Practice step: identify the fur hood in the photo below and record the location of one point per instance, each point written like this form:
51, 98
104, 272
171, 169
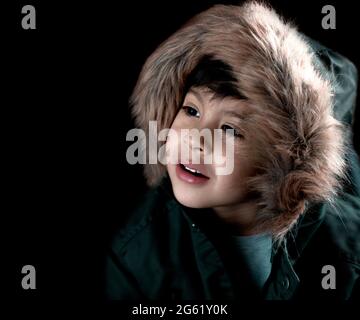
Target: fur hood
299, 142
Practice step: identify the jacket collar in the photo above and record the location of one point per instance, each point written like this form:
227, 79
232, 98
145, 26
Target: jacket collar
283, 280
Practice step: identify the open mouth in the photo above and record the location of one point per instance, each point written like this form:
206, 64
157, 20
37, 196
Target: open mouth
190, 175
195, 172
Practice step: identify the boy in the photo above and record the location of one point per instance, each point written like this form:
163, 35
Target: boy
290, 207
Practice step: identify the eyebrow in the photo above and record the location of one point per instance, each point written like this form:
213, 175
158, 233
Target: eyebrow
235, 114
197, 94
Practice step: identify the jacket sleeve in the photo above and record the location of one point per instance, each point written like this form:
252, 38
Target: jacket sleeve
344, 76
355, 295
346, 79
121, 282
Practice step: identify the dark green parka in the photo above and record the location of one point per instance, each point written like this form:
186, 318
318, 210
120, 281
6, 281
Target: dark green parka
166, 251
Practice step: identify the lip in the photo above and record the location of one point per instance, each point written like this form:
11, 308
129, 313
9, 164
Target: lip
188, 177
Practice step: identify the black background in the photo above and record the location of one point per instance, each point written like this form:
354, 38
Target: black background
64, 119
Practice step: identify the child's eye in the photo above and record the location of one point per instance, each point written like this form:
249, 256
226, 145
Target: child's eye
230, 130
190, 111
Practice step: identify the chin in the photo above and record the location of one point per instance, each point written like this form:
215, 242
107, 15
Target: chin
191, 199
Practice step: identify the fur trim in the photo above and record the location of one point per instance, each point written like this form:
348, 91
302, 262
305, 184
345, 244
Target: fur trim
299, 143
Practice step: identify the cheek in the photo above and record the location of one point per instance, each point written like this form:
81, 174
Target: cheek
233, 187
231, 159
244, 160
243, 168
172, 147
233, 181
180, 121
172, 140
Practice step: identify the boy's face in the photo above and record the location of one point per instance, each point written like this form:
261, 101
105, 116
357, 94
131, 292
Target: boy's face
208, 189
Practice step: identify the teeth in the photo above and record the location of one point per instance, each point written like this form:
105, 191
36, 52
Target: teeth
192, 170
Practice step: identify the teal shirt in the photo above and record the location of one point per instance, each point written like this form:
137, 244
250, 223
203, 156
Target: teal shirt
254, 252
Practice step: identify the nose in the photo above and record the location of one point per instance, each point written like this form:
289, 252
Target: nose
200, 144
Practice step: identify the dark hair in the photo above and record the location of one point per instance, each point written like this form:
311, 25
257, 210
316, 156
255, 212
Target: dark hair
216, 75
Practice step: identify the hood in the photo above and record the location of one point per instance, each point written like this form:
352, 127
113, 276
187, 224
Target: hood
299, 143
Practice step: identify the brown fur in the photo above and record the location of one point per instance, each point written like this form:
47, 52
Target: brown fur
298, 142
